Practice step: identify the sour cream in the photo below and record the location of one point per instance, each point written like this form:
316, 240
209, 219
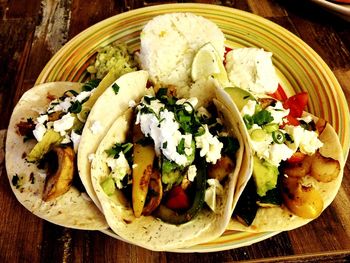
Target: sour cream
252, 69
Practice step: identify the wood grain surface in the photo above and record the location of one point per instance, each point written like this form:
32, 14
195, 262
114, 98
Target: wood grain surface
32, 31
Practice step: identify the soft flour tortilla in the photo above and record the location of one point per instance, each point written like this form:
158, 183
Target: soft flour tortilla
73, 209
280, 218
109, 106
148, 231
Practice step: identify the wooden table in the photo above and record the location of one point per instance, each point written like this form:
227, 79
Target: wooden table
30, 34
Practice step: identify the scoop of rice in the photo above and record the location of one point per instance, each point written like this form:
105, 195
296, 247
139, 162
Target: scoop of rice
169, 43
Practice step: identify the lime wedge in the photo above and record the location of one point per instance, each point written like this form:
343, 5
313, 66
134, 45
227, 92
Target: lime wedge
206, 63
239, 96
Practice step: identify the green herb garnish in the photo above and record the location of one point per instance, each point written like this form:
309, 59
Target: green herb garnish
115, 88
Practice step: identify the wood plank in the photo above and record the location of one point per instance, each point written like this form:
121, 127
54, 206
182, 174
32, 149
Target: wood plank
13, 59
86, 13
266, 8
322, 36
20, 231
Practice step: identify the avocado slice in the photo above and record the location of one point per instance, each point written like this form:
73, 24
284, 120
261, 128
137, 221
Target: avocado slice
108, 186
239, 96
265, 175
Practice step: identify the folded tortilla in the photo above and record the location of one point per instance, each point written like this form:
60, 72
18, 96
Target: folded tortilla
148, 231
72, 209
113, 102
280, 218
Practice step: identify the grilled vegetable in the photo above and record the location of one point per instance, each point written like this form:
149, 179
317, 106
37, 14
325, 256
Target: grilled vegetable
49, 139
142, 170
172, 217
223, 167
304, 201
60, 172
324, 169
299, 169
155, 194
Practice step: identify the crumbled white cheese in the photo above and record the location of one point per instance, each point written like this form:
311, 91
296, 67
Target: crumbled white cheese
278, 153
82, 96
277, 112
210, 146
42, 118
191, 172
95, 127
66, 138
249, 108
64, 105
39, 131
165, 134
252, 69
63, 124
119, 168
75, 139
306, 141
307, 118
214, 189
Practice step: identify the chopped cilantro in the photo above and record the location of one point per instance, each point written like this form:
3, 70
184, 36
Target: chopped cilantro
231, 145
91, 84
118, 148
115, 88
181, 146
161, 93
262, 117
165, 145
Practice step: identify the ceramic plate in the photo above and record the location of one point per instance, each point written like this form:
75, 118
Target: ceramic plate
298, 66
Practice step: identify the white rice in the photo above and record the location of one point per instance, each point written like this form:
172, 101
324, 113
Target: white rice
169, 43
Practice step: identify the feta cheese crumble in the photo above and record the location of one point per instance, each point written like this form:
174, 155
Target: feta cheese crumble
119, 169
215, 189
210, 146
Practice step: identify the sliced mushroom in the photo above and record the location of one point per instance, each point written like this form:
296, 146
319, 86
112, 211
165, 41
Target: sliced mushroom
155, 193
60, 172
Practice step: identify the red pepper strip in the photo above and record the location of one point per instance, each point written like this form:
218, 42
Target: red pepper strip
177, 199
279, 94
296, 104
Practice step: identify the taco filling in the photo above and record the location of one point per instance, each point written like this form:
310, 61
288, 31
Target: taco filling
176, 158
57, 131
288, 163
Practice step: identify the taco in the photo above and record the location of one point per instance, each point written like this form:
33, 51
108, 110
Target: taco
41, 145
112, 103
166, 171
297, 164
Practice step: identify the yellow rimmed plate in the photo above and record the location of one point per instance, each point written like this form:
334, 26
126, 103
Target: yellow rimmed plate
298, 66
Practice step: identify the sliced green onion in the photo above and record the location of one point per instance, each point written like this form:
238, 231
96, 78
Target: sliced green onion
258, 135
271, 127
278, 137
75, 107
